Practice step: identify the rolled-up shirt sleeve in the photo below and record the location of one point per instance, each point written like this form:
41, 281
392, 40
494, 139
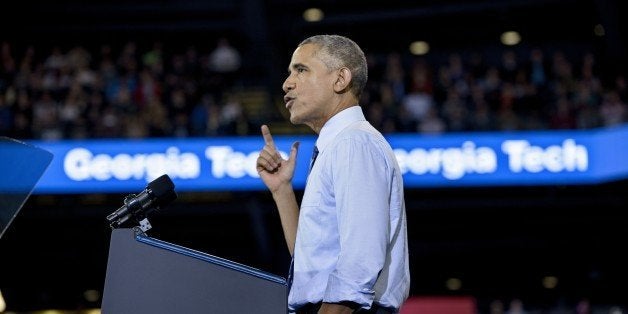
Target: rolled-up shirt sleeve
362, 184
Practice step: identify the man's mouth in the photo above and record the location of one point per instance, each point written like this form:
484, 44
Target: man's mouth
288, 100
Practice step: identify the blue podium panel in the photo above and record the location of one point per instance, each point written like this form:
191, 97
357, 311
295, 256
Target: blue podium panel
146, 275
21, 166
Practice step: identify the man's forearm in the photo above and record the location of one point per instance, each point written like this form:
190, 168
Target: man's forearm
334, 308
288, 213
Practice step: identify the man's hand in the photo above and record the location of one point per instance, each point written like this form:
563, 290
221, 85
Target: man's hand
272, 168
277, 174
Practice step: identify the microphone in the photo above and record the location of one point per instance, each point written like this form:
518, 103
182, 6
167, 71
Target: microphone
159, 192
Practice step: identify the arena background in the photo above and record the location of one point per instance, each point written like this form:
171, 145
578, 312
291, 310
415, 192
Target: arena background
552, 247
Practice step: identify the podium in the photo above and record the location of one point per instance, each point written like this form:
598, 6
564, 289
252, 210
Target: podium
148, 275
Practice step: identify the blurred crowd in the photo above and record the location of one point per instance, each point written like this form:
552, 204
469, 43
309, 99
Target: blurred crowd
532, 91
129, 93
137, 92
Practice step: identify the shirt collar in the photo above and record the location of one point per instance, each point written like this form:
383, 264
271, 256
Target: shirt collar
337, 123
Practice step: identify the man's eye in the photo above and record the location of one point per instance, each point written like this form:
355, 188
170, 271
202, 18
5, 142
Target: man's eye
300, 70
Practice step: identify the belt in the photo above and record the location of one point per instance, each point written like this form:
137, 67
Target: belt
312, 308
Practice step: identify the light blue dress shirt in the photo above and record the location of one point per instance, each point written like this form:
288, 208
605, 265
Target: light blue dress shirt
351, 240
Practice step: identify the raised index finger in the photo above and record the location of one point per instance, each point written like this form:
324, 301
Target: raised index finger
268, 138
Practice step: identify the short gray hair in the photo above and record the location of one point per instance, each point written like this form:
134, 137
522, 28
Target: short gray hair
340, 51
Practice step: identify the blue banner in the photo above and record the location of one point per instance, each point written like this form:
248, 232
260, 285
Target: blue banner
448, 160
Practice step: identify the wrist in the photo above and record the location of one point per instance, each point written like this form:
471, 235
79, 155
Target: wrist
282, 191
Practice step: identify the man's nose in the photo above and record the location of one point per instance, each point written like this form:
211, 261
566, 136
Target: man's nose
288, 85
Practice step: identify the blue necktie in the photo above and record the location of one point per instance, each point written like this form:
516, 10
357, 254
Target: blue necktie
291, 270
314, 155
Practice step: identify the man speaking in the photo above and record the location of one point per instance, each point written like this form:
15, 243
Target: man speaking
348, 238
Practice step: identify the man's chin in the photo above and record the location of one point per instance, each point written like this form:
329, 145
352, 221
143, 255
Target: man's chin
294, 119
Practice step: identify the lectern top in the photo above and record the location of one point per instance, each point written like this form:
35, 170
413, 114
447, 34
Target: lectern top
21, 167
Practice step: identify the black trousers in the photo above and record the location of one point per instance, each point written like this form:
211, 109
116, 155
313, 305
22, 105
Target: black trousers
312, 308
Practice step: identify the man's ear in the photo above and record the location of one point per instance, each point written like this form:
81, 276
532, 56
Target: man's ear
343, 80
